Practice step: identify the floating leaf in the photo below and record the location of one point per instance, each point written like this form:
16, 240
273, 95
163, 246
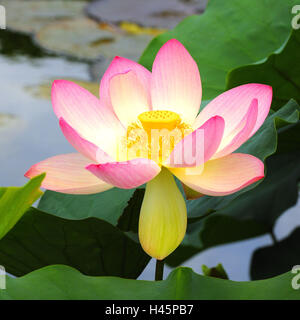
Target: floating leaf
130, 46
64, 283
136, 29
7, 120
81, 38
30, 16
155, 13
87, 40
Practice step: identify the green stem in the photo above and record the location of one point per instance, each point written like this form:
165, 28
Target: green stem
159, 270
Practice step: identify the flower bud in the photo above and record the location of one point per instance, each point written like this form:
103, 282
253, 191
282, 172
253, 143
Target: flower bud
163, 216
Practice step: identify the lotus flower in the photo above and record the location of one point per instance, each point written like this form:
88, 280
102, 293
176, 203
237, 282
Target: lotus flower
134, 104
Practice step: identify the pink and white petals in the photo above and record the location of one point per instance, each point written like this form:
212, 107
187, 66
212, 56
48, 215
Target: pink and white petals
222, 176
121, 65
241, 134
128, 96
83, 146
175, 83
199, 146
126, 175
92, 120
233, 105
67, 174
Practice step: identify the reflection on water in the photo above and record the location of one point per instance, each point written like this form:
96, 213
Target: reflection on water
29, 133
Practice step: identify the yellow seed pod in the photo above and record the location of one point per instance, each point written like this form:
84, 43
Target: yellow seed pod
159, 119
163, 216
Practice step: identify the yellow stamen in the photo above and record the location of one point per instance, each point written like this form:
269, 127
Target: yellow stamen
153, 136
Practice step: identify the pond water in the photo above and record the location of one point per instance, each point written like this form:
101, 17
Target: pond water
29, 133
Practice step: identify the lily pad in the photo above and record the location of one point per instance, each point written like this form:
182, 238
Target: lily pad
154, 13
130, 46
88, 40
30, 16
64, 283
80, 38
7, 120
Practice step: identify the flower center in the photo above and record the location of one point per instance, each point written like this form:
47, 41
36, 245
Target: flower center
153, 135
159, 119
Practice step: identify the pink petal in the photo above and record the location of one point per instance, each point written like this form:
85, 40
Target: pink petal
199, 146
86, 115
66, 173
222, 176
233, 105
128, 96
121, 65
241, 134
83, 146
127, 174
175, 83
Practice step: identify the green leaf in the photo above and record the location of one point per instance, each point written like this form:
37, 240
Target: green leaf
228, 35
278, 258
14, 201
280, 70
216, 272
61, 282
252, 212
108, 205
92, 246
